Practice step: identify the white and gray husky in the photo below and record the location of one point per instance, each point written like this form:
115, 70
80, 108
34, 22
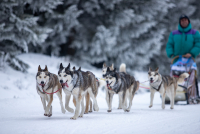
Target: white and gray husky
163, 85
122, 84
78, 83
46, 85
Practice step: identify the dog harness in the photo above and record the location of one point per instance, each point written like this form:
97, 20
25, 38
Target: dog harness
46, 92
158, 86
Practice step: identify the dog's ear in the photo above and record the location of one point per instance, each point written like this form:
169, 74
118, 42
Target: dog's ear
150, 69
108, 69
104, 65
68, 67
112, 66
74, 68
46, 69
79, 69
61, 66
39, 68
157, 69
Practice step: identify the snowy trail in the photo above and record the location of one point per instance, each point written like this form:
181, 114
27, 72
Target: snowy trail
26, 116
21, 110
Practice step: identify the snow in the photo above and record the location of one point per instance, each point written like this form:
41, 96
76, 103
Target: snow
21, 109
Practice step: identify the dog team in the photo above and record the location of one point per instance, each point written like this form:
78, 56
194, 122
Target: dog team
82, 85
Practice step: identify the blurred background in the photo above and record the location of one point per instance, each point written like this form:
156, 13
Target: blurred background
134, 32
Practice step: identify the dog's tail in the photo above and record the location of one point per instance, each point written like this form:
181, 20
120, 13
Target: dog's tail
182, 78
122, 68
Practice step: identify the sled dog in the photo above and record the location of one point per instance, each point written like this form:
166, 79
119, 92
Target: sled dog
122, 71
46, 85
122, 84
78, 83
164, 85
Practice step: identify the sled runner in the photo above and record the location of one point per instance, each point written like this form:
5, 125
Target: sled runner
189, 91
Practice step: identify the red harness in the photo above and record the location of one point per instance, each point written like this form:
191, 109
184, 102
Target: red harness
50, 93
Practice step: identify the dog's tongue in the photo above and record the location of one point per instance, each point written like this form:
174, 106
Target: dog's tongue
42, 85
65, 84
151, 81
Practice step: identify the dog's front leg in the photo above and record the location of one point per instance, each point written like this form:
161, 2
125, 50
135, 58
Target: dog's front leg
61, 103
107, 97
110, 101
50, 100
67, 98
78, 102
82, 107
44, 104
90, 106
151, 97
173, 93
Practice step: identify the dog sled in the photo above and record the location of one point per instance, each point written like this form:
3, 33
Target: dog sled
189, 91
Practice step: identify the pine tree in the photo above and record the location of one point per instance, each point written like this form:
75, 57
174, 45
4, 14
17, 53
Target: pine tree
59, 15
17, 31
120, 31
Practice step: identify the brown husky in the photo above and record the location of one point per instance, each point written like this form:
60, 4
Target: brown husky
164, 84
46, 85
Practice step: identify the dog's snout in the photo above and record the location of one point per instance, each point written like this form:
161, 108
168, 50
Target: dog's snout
61, 81
42, 82
107, 82
151, 78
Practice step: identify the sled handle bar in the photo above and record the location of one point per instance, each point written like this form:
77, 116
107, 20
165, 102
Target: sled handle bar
178, 57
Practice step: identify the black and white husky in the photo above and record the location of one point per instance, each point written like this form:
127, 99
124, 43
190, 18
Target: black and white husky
164, 85
46, 85
122, 84
78, 83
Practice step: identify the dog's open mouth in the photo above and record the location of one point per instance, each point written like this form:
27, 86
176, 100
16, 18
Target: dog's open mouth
42, 85
65, 84
108, 85
151, 81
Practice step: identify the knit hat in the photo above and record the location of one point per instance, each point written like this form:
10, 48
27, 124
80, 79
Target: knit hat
183, 16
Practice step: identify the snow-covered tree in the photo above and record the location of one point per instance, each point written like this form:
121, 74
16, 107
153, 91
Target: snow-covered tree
59, 15
17, 30
119, 31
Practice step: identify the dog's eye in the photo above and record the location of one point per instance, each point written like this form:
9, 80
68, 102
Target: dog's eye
45, 76
106, 77
65, 75
39, 76
110, 77
59, 75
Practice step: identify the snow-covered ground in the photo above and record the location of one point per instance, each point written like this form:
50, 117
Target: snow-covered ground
21, 109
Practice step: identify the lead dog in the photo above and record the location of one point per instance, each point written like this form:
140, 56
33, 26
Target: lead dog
78, 83
124, 85
164, 84
46, 84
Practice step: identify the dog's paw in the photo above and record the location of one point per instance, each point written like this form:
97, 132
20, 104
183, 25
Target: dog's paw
119, 108
80, 116
70, 110
171, 107
96, 108
85, 112
126, 110
109, 111
150, 106
73, 118
45, 114
49, 115
163, 107
90, 111
63, 111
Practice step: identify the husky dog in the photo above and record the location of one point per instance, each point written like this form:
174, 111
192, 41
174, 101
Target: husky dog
124, 85
46, 85
104, 69
122, 70
78, 83
164, 84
